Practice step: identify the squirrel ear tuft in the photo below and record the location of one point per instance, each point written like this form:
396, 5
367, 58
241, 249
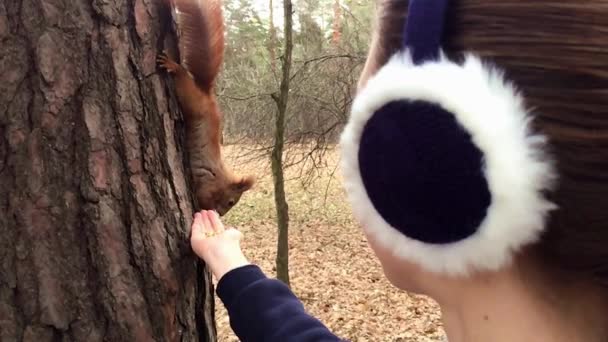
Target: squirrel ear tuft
245, 183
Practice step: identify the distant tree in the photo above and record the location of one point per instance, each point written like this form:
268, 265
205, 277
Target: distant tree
272, 41
337, 23
310, 39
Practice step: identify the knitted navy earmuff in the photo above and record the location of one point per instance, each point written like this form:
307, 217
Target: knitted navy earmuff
438, 160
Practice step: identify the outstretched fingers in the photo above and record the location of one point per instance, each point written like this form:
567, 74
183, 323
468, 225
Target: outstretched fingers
202, 226
207, 224
217, 224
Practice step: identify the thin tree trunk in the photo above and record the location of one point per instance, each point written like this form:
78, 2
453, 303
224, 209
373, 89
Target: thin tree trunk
277, 152
94, 199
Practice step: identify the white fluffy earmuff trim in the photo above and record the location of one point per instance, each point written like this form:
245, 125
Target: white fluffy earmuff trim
515, 165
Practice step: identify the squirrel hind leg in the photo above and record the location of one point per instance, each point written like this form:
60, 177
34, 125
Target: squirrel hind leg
165, 62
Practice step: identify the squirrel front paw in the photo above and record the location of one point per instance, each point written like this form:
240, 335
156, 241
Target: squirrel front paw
165, 62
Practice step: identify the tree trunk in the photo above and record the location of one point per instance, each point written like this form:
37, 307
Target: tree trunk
277, 152
94, 201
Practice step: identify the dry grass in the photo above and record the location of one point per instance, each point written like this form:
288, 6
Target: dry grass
332, 269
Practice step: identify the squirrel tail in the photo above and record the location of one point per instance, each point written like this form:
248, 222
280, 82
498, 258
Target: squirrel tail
200, 26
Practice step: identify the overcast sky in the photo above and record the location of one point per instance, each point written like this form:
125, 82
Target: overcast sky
261, 7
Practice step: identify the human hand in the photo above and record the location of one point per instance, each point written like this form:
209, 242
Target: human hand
219, 247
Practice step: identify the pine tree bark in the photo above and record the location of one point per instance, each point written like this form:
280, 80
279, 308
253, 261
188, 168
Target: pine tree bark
94, 202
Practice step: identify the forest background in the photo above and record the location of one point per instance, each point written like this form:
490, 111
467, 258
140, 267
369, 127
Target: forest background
331, 268
96, 196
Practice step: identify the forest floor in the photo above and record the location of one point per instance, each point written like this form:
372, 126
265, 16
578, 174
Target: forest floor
332, 269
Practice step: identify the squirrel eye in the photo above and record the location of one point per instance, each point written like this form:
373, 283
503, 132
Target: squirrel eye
231, 203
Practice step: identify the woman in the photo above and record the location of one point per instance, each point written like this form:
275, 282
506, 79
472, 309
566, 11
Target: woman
501, 219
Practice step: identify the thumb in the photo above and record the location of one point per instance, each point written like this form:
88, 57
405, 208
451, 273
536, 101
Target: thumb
234, 234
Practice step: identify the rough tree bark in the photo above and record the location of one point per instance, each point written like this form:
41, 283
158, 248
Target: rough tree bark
94, 200
281, 100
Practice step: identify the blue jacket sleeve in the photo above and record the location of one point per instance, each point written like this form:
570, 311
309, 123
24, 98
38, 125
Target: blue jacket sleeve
263, 309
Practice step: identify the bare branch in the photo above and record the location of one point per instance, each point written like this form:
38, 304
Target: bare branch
246, 98
319, 59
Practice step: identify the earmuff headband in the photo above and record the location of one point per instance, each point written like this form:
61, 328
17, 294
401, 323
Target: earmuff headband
423, 30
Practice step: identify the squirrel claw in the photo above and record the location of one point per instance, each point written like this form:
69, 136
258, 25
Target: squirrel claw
166, 63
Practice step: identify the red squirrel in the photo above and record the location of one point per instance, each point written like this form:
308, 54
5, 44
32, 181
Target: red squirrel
201, 46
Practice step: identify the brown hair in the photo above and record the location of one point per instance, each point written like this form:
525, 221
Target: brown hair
556, 52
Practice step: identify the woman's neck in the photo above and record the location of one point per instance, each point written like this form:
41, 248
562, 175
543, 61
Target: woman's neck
504, 307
